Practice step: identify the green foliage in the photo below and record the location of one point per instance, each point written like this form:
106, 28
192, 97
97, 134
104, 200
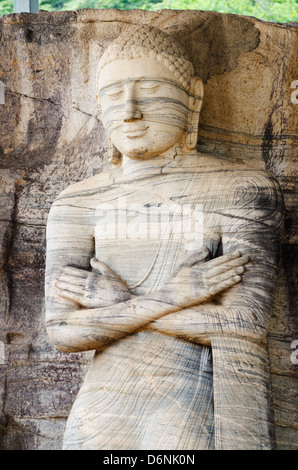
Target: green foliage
77, 4
6, 6
268, 10
282, 11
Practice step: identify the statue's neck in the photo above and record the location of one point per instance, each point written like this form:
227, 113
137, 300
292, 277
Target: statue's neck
154, 166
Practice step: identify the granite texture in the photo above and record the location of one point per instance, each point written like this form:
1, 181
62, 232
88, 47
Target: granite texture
51, 136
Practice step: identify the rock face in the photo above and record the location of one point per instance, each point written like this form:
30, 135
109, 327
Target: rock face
51, 136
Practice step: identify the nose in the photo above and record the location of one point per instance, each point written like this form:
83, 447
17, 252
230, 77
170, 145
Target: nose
132, 109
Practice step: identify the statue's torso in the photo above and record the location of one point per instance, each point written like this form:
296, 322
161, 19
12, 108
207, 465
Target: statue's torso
151, 390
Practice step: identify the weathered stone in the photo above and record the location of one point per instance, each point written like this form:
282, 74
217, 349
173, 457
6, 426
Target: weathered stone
50, 133
28, 434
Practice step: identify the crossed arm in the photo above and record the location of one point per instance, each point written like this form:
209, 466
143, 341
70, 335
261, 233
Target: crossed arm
92, 309
105, 311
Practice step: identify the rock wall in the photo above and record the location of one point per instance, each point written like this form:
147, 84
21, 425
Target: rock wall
51, 136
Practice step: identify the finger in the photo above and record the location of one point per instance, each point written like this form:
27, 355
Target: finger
78, 272
226, 275
223, 259
70, 287
70, 296
214, 271
101, 268
79, 281
224, 285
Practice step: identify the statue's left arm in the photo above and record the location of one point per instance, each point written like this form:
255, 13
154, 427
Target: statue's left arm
251, 222
236, 325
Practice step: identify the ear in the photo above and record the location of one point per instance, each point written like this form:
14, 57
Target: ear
196, 93
114, 156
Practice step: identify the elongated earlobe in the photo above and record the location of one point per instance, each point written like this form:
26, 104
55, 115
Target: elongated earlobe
114, 156
196, 92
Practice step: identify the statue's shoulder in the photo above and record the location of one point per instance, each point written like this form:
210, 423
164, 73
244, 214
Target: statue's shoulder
247, 192
258, 184
88, 187
255, 195
226, 173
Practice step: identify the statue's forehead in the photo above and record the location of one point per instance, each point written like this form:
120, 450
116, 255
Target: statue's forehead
134, 69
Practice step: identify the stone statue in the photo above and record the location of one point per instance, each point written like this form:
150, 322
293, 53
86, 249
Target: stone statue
165, 266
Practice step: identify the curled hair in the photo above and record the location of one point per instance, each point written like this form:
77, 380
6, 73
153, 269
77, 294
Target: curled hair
149, 42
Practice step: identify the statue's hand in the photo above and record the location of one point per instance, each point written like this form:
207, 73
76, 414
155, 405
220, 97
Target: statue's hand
198, 278
100, 287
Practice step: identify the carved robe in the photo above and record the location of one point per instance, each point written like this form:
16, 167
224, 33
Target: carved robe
196, 379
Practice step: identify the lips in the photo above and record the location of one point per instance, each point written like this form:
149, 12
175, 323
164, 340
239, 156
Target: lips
133, 132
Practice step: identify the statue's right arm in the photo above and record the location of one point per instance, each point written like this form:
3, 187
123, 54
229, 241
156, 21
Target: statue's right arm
71, 328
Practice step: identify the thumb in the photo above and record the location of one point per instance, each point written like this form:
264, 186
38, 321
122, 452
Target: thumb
202, 255
101, 268
199, 256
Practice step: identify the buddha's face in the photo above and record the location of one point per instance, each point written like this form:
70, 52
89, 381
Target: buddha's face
144, 108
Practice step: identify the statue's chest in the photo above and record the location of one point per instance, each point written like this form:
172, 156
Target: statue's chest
144, 231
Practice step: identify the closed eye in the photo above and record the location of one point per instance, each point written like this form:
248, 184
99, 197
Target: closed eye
150, 87
114, 93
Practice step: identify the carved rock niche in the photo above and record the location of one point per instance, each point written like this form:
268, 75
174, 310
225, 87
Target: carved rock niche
148, 177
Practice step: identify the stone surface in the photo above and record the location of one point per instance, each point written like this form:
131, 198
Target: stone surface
51, 137
184, 249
